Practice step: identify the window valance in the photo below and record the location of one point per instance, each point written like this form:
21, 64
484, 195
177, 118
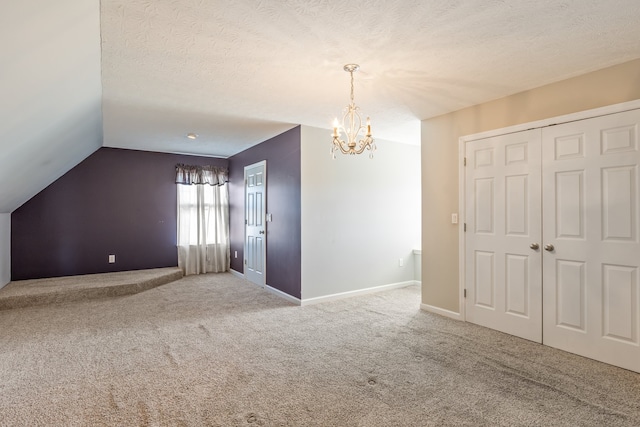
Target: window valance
212, 175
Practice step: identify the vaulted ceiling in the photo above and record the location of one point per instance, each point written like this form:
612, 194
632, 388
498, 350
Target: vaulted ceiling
141, 74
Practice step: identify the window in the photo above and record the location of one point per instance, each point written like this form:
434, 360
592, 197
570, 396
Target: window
203, 219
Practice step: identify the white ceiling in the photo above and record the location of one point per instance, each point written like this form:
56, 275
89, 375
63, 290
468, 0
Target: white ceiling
140, 74
237, 72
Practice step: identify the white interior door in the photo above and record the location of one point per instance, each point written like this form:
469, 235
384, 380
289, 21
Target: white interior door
255, 255
502, 261
590, 216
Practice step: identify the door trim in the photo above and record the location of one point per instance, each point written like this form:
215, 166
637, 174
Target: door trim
580, 115
244, 213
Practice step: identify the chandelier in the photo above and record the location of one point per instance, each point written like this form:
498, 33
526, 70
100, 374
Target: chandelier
358, 137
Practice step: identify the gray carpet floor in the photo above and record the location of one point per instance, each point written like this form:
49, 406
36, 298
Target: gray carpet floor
213, 350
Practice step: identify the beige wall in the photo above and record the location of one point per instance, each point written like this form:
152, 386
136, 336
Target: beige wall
440, 135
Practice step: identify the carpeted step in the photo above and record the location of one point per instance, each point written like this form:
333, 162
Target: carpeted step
27, 293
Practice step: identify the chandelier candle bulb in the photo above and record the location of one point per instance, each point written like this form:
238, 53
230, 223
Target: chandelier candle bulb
368, 126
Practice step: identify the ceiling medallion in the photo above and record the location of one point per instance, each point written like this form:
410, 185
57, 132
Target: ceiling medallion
358, 136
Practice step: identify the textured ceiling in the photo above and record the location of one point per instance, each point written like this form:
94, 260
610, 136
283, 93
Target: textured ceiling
237, 72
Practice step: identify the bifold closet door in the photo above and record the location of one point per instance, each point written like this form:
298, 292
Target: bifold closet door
503, 248
591, 255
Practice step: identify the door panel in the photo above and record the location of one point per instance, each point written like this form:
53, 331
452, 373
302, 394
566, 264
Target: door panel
484, 283
516, 215
517, 274
618, 209
590, 216
619, 303
570, 294
503, 273
255, 213
569, 214
484, 216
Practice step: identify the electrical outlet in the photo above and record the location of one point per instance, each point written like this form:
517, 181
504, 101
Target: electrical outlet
235, 254
112, 259
400, 262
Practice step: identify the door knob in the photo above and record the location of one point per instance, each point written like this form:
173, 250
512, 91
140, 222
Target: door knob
549, 247
261, 231
534, 246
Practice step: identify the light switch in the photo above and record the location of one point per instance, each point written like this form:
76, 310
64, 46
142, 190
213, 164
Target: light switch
454, 218
112, 259
269, 217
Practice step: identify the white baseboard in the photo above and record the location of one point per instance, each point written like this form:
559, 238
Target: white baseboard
236, 273
284, 295
333, 297
441, 311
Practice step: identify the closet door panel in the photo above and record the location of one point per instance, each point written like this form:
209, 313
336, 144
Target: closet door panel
590, 228
503, 272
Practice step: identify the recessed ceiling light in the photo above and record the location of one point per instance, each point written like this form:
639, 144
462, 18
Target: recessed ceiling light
192, 135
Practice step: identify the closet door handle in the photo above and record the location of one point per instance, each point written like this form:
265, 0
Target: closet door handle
534, 246
549, 247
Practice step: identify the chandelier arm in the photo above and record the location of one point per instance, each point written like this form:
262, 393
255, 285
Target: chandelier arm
364, 144
337, 142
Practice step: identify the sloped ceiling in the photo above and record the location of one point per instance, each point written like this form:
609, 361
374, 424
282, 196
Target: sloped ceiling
237, 72
50, 93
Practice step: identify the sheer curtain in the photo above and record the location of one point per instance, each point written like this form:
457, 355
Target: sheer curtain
203, 219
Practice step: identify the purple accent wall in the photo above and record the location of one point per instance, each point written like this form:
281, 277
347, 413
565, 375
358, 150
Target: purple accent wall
116, 201
282, 154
